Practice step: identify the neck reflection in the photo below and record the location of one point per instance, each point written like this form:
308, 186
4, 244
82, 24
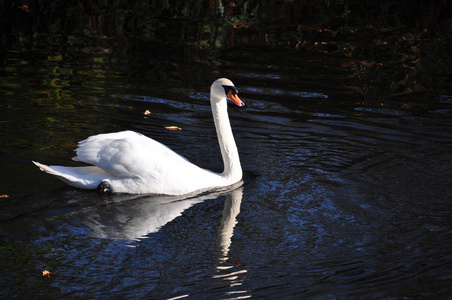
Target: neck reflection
229, 269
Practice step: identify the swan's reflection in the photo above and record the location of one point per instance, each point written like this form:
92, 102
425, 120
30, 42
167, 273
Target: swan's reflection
132, 222
121, 220
225, 232
148, 214
226, 270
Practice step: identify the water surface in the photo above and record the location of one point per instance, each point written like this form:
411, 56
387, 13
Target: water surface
346, 192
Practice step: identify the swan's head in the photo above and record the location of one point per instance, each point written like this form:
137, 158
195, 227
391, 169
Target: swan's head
223, 88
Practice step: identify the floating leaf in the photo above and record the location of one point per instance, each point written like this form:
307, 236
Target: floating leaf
173, 128
4, 196
46, 273
147, 113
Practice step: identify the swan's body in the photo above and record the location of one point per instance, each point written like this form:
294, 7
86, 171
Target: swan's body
129, 162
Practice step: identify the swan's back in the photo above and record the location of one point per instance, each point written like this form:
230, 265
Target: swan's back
127, 154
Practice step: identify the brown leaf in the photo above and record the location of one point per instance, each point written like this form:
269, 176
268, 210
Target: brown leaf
173, 128
46, 273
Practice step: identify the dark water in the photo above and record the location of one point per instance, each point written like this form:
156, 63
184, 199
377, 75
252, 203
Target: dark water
346, 192
342, 197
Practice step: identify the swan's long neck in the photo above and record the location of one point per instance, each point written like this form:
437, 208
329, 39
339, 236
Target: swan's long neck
232, 169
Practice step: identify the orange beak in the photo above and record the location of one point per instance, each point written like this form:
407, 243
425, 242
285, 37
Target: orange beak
234, 98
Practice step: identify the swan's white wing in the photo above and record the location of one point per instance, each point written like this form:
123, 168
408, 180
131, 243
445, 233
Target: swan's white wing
129, 154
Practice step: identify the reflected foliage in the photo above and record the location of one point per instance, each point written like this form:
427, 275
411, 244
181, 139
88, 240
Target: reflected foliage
385, 47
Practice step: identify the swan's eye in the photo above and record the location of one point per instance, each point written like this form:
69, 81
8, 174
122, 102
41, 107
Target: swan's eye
230, 88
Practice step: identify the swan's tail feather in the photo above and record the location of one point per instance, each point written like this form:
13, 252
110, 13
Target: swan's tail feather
45, 168
88, 177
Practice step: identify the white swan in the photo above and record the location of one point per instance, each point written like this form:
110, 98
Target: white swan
129, 162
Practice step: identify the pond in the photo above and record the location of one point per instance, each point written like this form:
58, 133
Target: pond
346, 191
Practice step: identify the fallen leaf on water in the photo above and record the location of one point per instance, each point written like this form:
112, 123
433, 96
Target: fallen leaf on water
147, 113
4, 196
46, 273
173, 128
